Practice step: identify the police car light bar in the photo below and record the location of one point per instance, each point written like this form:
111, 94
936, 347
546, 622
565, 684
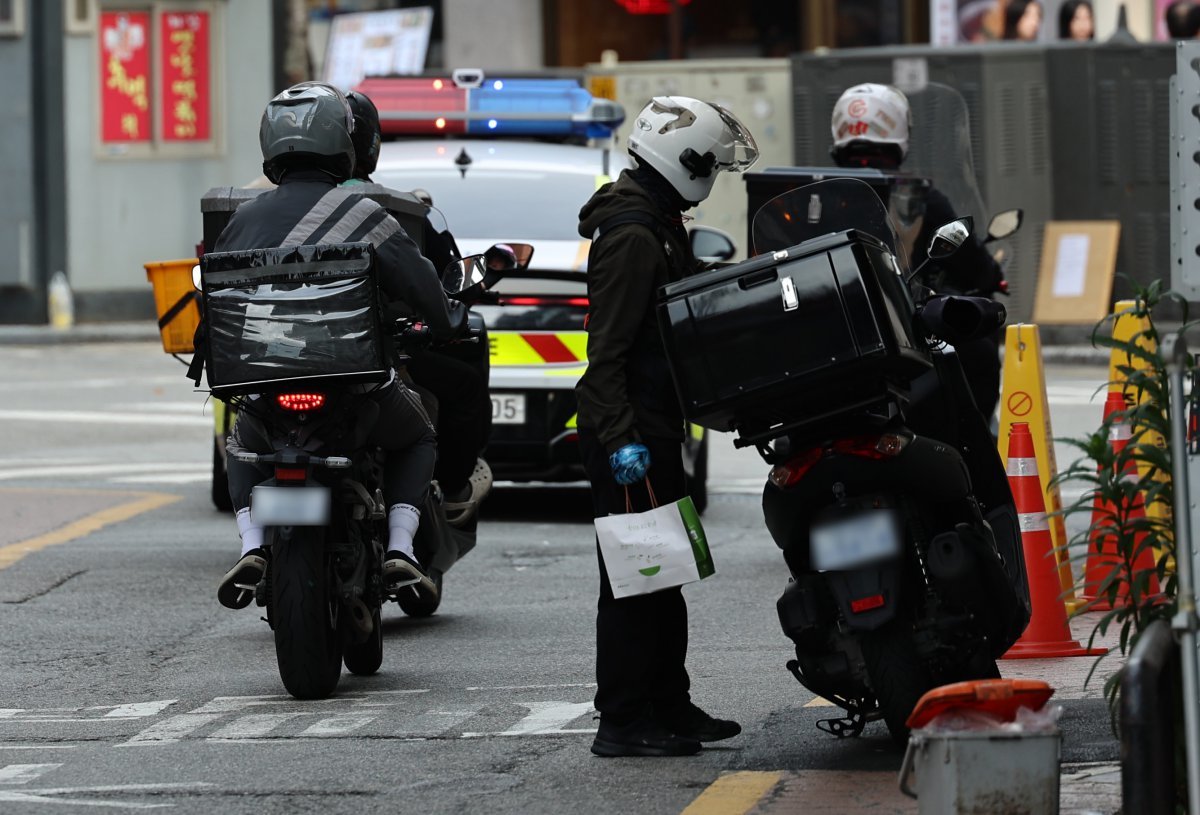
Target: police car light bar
470, 103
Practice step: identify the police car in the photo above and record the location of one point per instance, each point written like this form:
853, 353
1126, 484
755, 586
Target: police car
512, 160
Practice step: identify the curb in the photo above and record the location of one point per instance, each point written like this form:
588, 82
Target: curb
77, 334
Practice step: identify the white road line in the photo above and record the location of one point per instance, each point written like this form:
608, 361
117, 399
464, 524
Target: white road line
105, 469
534, 687
24, 773
172, 729
100, 417
77, 384
139, 710
181, 478
337, 726
438, 722
546, 718
44, 796
252, 726
37, 746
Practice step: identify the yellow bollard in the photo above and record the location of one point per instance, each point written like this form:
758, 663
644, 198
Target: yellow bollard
1023, 399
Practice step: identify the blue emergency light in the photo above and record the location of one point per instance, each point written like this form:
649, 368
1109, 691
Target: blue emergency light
479, 105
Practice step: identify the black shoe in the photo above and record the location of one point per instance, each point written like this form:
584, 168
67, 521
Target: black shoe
691, 722
236, 588
641, 737
400, 570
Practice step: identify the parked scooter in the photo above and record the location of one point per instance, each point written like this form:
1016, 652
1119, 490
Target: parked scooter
298, 360
886, 494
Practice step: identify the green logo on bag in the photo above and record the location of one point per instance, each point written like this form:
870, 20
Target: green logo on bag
650, 572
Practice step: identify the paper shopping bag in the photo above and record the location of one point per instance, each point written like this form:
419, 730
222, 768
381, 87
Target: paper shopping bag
659, 549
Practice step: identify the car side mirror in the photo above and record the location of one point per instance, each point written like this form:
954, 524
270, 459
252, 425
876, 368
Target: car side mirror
950, 237
711, 245
1005, 223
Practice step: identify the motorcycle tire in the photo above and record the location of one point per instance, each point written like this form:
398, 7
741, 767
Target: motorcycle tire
414, 605
308, 645
898, 676
978, 665
364, 658
220, 481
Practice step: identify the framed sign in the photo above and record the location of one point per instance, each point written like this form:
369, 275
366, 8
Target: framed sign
125, 77
377, 43
1075, 278
184, 76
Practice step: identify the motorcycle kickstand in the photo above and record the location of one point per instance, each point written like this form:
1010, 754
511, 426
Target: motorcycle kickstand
849, 726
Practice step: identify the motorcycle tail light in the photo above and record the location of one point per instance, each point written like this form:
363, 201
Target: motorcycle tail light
793, 471
877, 448
290, 473
866, 603
301, 402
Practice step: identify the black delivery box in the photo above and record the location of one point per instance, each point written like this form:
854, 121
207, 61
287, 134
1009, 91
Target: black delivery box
792, 337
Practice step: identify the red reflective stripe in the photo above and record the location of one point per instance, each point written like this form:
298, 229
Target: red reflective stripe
550, 348
866, 603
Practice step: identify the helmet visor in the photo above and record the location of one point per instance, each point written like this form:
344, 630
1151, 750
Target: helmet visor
745, 151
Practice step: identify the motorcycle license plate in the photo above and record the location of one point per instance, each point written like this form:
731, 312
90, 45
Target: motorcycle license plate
508, 408
854, 541
289, 506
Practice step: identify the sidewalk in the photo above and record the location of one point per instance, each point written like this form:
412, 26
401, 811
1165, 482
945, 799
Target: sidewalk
1072, 353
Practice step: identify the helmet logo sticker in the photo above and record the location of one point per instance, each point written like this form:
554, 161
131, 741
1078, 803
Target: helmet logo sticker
857, 108
642, 124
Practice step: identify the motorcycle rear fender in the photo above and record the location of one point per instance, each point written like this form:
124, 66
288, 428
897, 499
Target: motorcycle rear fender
874, 591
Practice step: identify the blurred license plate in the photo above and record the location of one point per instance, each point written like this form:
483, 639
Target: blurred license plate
289, 506
855, 541
508, 408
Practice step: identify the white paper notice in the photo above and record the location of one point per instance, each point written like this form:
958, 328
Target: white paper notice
1070, 267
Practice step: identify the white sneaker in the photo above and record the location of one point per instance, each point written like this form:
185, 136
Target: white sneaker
480, 482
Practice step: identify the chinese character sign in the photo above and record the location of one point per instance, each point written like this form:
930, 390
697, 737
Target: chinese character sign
185, 76
125, 76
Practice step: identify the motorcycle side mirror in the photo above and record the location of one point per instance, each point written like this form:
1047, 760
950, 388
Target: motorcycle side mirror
711, 245
950, 237
508, 257
196, 283
462, 275
1005, 223
958, 319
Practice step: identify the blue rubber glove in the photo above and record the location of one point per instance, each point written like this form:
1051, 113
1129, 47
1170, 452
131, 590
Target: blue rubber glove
630, 463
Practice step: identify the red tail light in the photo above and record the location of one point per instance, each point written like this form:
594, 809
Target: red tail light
876, 448
301, 402
866, 603
791, 473
290, 473
578, 302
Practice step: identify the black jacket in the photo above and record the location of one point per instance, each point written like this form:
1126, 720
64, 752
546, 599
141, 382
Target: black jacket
626, 393
404, 274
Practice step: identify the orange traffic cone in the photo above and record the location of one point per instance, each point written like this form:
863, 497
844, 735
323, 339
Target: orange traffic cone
1048, 634
1103, 563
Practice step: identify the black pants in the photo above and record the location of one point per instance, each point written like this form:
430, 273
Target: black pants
981, 363
641, 641
464, 413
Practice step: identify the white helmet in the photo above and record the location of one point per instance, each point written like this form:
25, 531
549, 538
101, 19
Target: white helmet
688, 142
877, 114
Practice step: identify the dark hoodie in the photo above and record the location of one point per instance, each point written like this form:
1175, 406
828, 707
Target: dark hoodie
626, 393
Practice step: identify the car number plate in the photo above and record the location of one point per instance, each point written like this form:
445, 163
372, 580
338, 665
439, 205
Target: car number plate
855, 541
508, 408
289, 506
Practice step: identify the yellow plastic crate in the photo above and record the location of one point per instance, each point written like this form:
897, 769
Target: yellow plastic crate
176, 302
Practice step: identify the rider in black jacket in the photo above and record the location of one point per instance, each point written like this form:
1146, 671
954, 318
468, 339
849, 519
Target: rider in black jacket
307, 150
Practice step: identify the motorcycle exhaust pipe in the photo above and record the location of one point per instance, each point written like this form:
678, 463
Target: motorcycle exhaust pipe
361, 615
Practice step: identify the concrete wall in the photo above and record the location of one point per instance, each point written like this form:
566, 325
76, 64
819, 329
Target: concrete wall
123, 212
16, 167
493, 34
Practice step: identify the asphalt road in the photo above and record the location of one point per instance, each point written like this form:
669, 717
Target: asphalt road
123, 684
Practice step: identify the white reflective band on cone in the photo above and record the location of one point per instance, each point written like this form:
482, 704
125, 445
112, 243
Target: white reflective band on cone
1120, 432
1033, 522
1022, 466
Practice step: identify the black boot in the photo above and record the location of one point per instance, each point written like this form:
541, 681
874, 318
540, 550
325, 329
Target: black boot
690, 722
641, 737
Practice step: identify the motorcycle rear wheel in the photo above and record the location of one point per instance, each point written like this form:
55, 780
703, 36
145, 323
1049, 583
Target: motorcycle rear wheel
898, 676
364, 658
308, 646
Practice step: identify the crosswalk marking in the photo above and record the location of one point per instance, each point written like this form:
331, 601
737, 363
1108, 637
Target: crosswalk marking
253, 726
101, 417
337, 725
547, 718
139, 710
24, 773
173, 729
439, 722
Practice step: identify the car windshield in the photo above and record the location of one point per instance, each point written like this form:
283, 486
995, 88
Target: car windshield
526, 205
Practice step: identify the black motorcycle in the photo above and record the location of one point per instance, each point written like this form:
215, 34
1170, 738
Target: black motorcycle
886, 495
297, 340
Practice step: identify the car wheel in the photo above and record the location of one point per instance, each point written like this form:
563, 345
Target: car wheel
220, 481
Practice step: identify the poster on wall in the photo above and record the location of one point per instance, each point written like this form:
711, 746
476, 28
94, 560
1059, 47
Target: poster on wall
952, 22
377, 43
184, 62
125, 76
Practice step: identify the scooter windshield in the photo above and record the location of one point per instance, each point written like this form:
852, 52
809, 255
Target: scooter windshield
827, 207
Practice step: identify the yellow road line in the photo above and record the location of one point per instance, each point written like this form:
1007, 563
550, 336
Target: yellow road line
146, 501
819, 702
733, 794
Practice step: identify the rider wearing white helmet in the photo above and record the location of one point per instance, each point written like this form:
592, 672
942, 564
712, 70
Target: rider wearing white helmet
631, 427
870, 126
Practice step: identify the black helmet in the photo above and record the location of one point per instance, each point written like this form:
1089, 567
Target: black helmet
367, 135
308, 126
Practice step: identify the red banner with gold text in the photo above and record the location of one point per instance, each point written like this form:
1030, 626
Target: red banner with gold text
125, 76
186, 100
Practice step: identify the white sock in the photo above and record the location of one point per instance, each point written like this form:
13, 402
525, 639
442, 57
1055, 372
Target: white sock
252, 533
403, 520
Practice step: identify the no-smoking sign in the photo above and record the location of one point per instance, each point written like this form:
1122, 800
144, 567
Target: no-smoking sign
1020, 403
